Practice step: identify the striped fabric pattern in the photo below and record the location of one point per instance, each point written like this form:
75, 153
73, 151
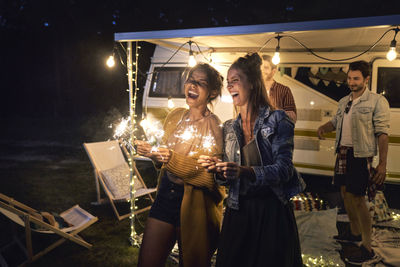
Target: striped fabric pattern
281, 97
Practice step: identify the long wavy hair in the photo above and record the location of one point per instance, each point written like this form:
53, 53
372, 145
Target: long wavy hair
250, 65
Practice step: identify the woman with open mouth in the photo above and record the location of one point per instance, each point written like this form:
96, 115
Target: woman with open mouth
188, 206
259, 228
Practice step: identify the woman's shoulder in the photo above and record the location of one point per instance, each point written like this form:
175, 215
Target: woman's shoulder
279, 116
176, 114
214, 118
228, 123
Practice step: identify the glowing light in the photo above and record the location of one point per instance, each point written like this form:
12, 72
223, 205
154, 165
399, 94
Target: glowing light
208, 142
190, 133
192, 61
392, 54
110, 62
276, 58
312, 103
153, 130
171, 104
121, 128
226, 99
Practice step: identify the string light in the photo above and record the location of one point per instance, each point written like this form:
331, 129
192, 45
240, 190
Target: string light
110, 61
392, 54
171, 104
192, 61
276, 58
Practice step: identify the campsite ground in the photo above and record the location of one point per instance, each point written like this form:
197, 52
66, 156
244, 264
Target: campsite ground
43, 164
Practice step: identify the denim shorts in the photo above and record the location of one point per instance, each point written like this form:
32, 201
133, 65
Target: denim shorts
167, 205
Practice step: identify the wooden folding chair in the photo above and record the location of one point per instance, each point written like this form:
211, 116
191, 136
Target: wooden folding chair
111, 171
78, 218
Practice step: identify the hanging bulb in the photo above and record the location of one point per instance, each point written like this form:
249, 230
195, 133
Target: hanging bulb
171, 104
276, 58
110, 61
192, 61
392, 54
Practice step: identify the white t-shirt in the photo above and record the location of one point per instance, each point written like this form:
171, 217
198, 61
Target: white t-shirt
346, 139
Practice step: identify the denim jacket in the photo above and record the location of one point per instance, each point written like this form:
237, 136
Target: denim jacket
369, 119
273, 131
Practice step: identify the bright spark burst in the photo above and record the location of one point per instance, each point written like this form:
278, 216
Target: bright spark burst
153, 130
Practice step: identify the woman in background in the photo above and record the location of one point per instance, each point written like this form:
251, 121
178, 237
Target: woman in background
259, 228
188, 206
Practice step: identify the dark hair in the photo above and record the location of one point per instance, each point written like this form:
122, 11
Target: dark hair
362, 66
214, 79
269, 59
250, 65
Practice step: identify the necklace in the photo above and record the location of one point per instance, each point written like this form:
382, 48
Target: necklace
205, 114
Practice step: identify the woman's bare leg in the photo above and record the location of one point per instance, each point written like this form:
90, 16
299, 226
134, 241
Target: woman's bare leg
178, 237
158, 240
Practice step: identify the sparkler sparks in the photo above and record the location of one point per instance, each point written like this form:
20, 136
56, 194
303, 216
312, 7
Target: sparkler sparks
189, 134
153, 130
122, 128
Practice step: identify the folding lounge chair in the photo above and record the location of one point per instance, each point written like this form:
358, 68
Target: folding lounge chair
111, 171
78, 218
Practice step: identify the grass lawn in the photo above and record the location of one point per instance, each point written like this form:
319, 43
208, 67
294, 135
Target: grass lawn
43, 164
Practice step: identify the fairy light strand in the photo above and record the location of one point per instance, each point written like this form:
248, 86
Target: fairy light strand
132, 81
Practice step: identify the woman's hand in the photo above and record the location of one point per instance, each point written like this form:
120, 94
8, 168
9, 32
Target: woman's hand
209, 163
161, 154
230, 170
143, 148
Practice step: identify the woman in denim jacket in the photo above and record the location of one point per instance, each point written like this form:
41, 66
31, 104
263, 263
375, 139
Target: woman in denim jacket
259, 228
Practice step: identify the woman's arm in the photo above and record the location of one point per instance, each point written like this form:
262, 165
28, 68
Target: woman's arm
282, 152
190, 171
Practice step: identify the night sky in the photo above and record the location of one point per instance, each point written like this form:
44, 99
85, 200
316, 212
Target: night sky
53, 52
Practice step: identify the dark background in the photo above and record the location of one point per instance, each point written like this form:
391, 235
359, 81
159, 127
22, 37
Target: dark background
53, 52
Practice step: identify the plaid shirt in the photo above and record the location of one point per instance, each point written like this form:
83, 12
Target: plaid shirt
341, 168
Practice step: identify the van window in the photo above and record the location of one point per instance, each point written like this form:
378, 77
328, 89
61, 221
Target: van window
389, 85
168, 82
330, 81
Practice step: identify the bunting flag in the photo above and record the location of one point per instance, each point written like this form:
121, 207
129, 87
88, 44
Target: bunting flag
314, 81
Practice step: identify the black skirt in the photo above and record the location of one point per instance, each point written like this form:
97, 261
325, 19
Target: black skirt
263, 232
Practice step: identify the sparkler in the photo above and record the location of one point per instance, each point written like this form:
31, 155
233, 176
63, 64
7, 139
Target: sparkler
122, 128
153, 130
190, 133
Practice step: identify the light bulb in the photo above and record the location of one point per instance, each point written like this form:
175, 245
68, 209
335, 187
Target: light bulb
192, 61
171, 104
391, 55
110, 61
276, 59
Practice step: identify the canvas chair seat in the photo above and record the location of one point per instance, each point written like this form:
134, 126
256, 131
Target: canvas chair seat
112, 172
23, 215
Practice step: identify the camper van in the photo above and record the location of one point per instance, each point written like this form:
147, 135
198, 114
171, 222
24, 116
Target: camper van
314, 58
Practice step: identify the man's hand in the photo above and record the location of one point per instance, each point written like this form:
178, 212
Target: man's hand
380, 174
325, 128
320, 133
